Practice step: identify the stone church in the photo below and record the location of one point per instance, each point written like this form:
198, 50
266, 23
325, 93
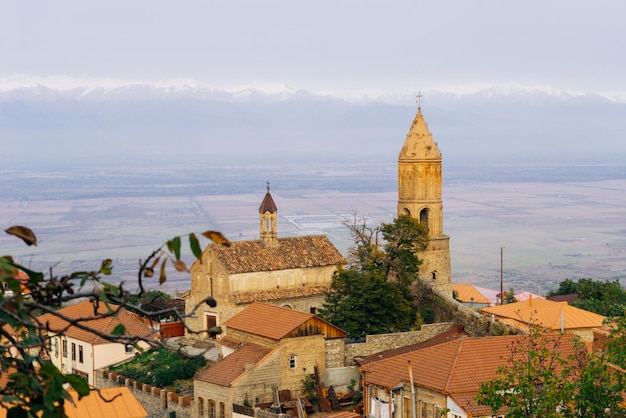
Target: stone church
291, 272
420, 190
295, 272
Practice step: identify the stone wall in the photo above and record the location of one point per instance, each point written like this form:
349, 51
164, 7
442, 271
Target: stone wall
157, 402
380, 342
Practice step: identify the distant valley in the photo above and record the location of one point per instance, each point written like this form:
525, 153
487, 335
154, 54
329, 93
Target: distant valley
554, 220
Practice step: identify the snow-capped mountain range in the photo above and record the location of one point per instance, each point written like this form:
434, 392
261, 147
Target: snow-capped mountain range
65, 118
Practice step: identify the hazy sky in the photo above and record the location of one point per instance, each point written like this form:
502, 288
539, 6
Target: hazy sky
322, 45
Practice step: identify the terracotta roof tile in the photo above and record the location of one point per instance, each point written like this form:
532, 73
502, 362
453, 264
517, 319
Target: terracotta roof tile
267, 320
227, 370
134, 324
278, 294
454, 367
290, 253
546, 314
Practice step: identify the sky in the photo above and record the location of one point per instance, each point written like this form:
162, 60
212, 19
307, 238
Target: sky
322, 46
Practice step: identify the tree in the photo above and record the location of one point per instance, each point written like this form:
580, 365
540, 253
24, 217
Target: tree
553, 375
602, 297
373, 294
36, 388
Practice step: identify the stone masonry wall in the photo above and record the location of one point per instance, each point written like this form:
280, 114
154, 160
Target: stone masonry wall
380, 342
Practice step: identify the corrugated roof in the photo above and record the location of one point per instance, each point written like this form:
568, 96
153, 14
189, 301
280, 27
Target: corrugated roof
227, 370
546, 314
134, 324
118, 402
467, 292
290, 253
269, 321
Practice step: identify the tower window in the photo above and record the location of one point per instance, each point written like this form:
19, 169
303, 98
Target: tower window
424, 218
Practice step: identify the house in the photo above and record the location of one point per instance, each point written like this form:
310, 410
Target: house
548, 315
475, 297
270, 349
293, 272
76, 350
430, 380
108, 403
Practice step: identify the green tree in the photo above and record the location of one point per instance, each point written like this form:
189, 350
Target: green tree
537, 380
602, 297
36, 388
373, 294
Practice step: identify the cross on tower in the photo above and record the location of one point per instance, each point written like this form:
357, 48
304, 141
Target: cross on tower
419, 100
268, 186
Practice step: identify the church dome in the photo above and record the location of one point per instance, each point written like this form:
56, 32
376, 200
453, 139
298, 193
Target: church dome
419, 143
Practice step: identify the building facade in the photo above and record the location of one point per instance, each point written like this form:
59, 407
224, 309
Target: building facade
420, 195
291, 272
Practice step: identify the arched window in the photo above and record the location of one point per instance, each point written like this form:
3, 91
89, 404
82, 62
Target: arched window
425, 218
200, 406
405, 212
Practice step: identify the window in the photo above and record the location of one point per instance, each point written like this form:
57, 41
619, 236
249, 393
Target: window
80, 353
313, 310
211, 408
56, 347
73, 352
64, 348
222, 410
201, 406
292, 361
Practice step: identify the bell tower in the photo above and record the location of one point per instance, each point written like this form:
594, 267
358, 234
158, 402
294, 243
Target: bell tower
267, 213
420, 196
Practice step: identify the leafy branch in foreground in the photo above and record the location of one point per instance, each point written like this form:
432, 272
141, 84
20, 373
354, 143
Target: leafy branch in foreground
35, 387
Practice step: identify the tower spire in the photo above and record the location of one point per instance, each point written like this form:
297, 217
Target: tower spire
267, 214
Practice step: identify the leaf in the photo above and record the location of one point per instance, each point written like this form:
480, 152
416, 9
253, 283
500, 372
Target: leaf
106, 266
162, 275
174, 246
79, 384
25, 234
179, 265
195, 246
148, 272
216, 237
119, 329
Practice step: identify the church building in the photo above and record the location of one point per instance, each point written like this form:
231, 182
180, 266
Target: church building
420, 196
291, 272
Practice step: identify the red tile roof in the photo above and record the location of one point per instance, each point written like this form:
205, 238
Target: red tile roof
290, 253
229, 369
271, 321
135, 325
453, 367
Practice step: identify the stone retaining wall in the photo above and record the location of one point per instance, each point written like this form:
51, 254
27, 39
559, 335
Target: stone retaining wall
158, 402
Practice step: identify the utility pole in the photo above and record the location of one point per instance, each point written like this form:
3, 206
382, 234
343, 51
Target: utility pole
501, 281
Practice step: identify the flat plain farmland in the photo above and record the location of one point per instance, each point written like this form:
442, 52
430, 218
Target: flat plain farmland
548, 231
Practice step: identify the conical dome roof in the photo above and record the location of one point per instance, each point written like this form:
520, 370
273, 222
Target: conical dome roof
267, 205
419, 143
